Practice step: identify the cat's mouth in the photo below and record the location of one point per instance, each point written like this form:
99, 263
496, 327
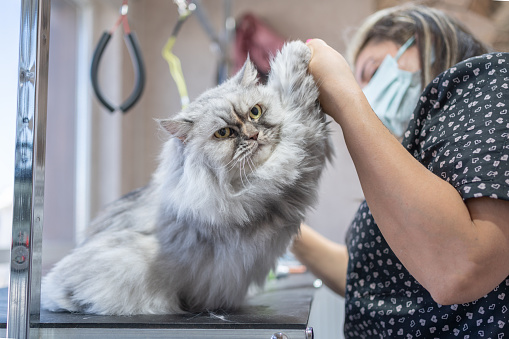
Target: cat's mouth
259, 152
254, 155
251, 152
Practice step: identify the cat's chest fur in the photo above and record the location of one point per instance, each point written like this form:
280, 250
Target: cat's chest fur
212, 269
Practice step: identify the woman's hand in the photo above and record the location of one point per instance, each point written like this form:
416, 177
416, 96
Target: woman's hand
326, 259
334, 77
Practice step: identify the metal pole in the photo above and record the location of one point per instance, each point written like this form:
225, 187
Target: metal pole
26, 246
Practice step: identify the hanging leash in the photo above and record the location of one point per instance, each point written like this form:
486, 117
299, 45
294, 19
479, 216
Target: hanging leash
136, 58
184, 10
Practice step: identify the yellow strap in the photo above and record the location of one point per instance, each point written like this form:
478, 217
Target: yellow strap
176, 70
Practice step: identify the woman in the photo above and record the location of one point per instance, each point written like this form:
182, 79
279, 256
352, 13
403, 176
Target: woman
429, 257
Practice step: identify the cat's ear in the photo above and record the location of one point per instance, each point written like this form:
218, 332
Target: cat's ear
248, 74
178, 128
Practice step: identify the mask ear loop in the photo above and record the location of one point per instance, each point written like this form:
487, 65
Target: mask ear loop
403, 48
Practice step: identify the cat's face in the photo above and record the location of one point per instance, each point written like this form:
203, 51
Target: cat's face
232, 128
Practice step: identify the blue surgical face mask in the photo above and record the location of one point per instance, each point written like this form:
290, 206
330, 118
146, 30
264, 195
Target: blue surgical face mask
393, 93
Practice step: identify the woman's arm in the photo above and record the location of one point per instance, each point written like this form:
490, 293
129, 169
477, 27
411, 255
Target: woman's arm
458, 251
326, 259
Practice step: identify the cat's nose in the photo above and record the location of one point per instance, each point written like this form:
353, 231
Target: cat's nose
254, 136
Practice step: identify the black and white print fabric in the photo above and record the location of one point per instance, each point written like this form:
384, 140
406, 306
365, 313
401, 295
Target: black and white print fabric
460, 132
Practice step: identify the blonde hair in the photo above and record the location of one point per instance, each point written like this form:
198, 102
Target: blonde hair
442, 41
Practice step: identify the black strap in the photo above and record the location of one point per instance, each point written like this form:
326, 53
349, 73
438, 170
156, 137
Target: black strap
138, 65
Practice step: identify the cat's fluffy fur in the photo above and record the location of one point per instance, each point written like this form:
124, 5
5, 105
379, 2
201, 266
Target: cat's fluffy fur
217, 213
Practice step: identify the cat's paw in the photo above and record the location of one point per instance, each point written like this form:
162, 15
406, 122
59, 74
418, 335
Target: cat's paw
292, 61
296, 50
289, 75
295, 55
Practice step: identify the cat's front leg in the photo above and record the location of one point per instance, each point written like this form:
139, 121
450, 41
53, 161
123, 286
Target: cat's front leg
290, 78
300, 156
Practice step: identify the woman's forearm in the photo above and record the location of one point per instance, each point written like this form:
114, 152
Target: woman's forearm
326, 259
443, 242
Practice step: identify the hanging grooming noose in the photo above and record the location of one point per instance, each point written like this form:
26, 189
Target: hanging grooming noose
184, 10
136, 57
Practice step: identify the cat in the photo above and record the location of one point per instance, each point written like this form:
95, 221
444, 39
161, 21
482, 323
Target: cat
241, 167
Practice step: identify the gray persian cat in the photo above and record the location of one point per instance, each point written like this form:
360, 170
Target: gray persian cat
229, 194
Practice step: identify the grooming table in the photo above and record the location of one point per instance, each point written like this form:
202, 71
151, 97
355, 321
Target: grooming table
281, 310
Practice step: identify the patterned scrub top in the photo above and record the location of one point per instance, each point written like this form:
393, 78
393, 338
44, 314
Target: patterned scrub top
460, 132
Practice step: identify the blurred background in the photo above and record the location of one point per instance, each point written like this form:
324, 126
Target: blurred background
93, 157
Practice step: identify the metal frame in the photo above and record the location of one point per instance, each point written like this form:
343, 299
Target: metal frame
26, 247
174, 333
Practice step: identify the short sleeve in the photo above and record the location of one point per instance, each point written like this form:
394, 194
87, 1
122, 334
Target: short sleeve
460, 128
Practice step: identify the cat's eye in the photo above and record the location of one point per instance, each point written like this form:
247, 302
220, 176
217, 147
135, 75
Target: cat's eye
224, 133
255, 112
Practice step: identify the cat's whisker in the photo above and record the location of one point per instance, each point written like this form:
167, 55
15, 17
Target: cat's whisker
237, 158
240, 163
243, 172
251, 166
250, 162
226, 166
233, 162
246, 175
240, 174
245, 160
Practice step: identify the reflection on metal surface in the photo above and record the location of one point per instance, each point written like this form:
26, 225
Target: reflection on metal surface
20, 255
317, 283
309, 333
24, 287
